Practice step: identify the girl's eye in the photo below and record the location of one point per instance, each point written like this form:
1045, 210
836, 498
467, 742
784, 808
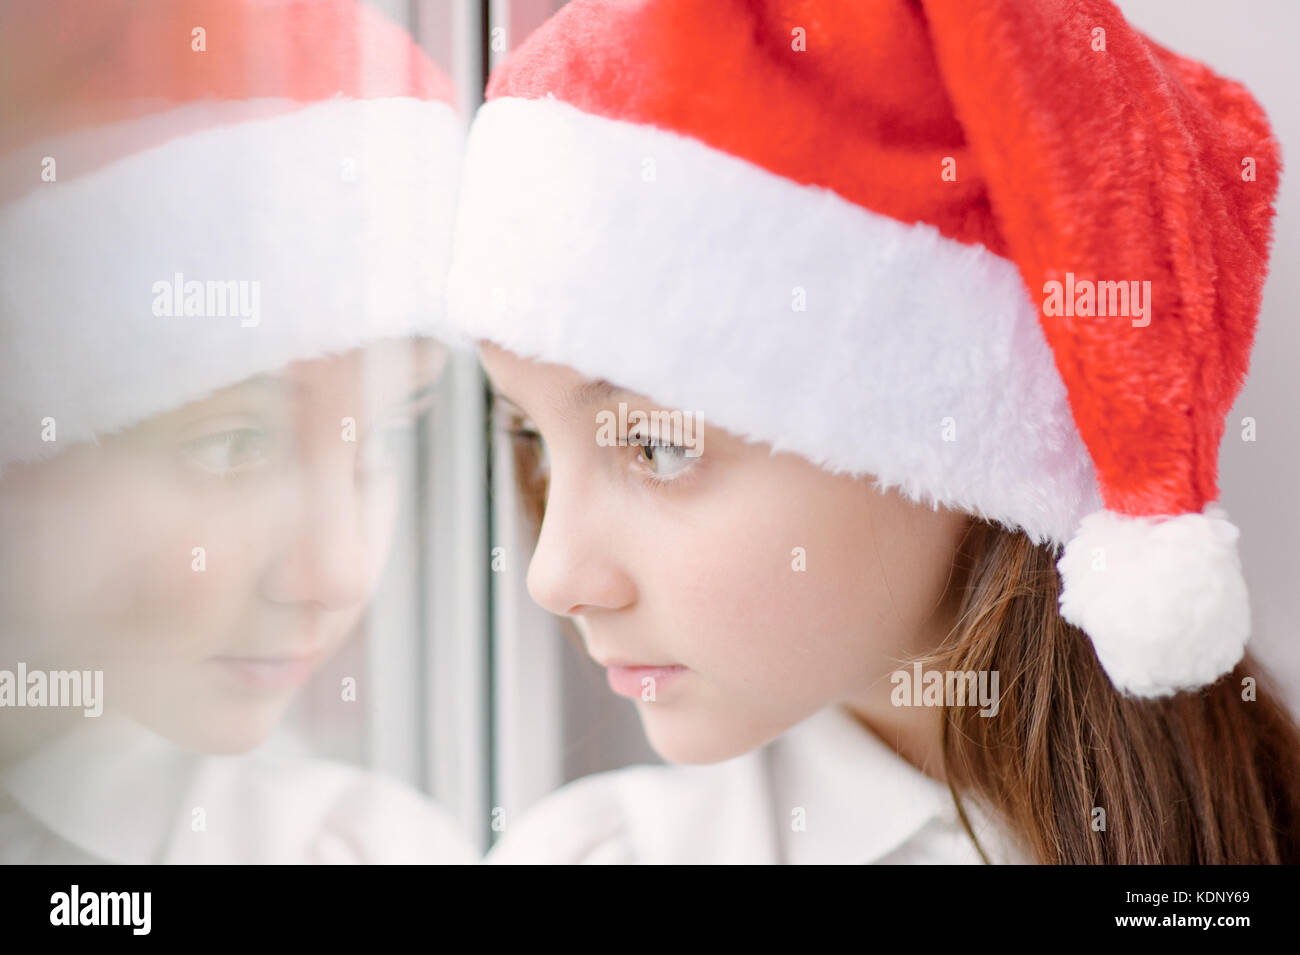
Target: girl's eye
532, 467
226, 453
664, 460
529, 447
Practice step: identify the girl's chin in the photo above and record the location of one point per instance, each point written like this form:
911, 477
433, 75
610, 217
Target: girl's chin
217, 730
692, 739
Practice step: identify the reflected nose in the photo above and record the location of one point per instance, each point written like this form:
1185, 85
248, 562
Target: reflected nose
574, 567
323, 557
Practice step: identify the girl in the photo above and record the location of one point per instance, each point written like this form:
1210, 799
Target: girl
962, 293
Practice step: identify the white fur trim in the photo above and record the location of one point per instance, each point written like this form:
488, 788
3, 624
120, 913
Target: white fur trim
340, 263
1163, 600
681, 287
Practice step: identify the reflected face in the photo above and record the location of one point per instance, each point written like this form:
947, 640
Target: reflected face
210, 558
668, 560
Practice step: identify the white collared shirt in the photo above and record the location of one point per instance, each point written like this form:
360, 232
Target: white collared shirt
112, 791
828, 791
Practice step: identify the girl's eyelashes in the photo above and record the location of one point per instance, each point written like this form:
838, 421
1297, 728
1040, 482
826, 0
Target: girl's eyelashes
661, 462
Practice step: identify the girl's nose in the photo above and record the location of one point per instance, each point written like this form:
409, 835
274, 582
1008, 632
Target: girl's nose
575, 566
323, 554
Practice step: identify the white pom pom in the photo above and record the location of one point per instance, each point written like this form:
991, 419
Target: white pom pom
1163, 599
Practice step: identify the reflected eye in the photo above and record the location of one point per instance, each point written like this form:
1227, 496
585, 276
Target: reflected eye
226, 453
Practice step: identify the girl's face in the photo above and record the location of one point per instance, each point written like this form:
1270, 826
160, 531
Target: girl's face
777, 587
210, 558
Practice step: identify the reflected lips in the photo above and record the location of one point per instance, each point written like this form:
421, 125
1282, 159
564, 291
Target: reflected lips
628, 681
269, 673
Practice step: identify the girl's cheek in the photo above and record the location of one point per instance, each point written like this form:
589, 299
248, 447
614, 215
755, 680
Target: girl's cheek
734, 587
124, 561
796, 589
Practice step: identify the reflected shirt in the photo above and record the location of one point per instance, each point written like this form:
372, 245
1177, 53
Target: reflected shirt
113, 791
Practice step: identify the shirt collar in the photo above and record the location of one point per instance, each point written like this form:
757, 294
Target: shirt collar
109, 787
860, 798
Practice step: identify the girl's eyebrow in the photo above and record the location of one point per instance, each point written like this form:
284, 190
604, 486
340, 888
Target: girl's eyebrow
587, 394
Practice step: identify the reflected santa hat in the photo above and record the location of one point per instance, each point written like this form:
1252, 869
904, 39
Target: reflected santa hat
849, 229
306, 151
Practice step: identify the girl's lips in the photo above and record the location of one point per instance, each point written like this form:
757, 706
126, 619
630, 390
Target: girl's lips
637, 681
269, 673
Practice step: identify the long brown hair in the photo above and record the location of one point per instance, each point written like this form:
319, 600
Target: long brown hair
1210, 776
1202, 777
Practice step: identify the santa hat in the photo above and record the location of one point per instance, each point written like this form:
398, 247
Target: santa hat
871, 233
196, 192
